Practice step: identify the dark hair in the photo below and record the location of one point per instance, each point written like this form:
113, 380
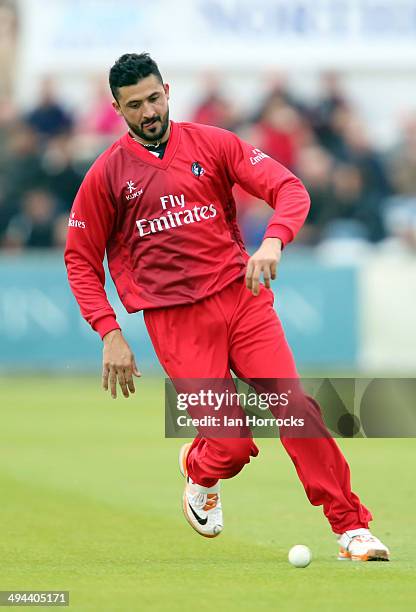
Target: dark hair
131, 68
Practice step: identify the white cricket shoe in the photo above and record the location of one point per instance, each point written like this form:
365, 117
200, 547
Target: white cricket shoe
361, 545
201, 505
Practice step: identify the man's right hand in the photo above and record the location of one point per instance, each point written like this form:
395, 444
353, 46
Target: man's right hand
118, 364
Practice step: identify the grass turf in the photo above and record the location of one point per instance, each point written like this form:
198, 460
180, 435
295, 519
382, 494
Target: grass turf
91, 503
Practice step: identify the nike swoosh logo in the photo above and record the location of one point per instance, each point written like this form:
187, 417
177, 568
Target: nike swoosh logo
200, 520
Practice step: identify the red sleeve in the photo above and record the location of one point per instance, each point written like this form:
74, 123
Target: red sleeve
265, 178
90, 225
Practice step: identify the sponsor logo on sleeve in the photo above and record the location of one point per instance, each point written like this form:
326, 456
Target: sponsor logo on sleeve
257, 156
75, 223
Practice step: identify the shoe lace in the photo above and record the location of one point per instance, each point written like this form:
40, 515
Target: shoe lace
212, 500
205, 501
364, 538
198, 500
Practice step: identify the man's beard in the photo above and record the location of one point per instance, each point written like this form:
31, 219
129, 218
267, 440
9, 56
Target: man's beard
151, 137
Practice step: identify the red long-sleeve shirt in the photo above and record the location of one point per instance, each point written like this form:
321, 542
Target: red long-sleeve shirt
169, 225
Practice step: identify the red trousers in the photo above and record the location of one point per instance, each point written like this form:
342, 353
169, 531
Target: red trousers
235, 330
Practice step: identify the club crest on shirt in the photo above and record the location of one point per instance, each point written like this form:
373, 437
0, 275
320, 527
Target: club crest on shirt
197, 169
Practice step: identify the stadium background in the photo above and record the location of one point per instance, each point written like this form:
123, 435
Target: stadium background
328, 89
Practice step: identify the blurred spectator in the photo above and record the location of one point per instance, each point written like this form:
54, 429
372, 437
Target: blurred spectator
33, 226
331, 113
101, 119
98, 128
279, 131
359, 151
49, 118
21, 170
214, 108
279, 126
61, 177
315, 168
351, 204
277, 88
332, 98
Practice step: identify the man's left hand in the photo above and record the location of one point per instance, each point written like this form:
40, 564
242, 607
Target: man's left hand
264, 261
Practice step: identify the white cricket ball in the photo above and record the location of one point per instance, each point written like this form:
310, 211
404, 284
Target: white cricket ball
300, 555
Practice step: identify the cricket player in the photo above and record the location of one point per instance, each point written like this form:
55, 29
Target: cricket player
159, 203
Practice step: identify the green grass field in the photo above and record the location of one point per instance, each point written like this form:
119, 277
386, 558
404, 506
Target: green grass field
91, 503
